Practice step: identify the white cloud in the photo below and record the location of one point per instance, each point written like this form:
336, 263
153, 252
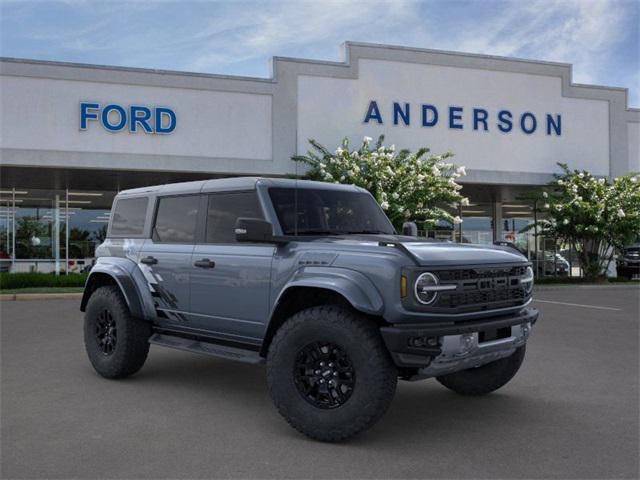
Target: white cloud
276, 26
581, 32
230, 37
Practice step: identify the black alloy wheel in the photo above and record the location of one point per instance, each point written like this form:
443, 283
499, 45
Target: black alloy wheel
324, 375
106, 332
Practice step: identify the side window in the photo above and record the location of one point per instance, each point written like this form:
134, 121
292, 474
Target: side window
128, 217
224, 209
176, 219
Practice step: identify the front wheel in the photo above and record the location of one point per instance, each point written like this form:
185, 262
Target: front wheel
117, 344
486, 378
329, 373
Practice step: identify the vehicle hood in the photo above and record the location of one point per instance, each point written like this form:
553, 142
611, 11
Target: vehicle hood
461, 254
434, 253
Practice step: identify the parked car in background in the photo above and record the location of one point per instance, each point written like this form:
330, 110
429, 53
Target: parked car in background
628, 263
556, 264
504, 243
550, 264
5, 262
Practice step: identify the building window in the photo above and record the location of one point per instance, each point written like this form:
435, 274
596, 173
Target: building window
51, 230
516, 217
477, 223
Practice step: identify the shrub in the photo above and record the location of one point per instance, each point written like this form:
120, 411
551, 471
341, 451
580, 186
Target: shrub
28, 280
593, 215
408, 186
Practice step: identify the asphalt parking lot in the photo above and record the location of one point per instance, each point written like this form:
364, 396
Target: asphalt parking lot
571, 412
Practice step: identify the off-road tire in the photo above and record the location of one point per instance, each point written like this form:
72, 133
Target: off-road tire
375, 374
132, 335
485, 379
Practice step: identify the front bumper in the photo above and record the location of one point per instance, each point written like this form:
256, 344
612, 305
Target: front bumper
444, 347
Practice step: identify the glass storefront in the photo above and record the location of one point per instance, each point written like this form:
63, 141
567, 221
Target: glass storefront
516, 217
58, 230
477, 224
52, 230
508, 223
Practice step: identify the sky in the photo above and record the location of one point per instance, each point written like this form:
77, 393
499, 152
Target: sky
601, 38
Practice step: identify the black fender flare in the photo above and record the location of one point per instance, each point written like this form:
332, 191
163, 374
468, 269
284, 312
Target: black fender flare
129, 279
355, 287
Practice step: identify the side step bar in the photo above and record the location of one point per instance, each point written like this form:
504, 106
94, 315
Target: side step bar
207, 348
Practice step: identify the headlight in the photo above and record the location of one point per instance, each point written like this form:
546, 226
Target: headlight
527, 280
427, 287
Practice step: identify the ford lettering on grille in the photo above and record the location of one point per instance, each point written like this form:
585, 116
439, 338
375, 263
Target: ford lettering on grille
481, 289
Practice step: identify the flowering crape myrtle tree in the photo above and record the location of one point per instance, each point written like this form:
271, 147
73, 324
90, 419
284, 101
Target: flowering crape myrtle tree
593, 215
408, 186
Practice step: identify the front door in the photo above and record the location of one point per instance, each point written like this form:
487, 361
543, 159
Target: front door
230, 281
165, 259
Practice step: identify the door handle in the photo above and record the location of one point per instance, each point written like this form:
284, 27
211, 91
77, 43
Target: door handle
204, 263
149, 260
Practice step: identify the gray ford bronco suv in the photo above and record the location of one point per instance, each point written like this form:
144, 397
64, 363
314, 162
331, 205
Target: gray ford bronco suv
311, 279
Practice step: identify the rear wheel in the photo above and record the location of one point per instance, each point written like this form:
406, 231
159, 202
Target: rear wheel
329, 373
116, 343
485, 379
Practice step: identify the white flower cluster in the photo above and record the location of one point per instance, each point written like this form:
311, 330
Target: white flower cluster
593, 214
408, 186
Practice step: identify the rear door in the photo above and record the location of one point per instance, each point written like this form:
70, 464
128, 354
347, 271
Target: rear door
230, 281
166, 257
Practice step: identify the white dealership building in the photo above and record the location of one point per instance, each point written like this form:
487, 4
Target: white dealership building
72, 135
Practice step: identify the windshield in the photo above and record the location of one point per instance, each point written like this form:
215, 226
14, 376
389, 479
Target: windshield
327, 212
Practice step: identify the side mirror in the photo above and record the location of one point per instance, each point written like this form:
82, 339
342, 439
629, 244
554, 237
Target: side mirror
410, 229
253, 230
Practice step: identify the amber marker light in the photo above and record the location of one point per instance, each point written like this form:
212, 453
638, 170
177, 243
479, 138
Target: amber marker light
403, 286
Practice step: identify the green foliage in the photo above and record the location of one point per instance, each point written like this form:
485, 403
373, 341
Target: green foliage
28, 280
41, 290
78, 234
592, 214
100, 234
26, 229
408, 186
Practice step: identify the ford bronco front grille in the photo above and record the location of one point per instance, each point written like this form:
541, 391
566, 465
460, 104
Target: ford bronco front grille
485, 288
481, 297
477, 273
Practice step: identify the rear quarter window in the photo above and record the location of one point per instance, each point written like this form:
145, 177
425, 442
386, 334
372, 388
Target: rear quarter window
128, 217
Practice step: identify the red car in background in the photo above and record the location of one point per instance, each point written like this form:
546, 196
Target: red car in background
5, 261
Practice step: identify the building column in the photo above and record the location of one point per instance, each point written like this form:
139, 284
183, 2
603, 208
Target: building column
13, 227
66, 232
55, 244
498, 227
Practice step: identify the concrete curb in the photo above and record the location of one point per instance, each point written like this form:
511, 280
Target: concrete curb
40, 296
